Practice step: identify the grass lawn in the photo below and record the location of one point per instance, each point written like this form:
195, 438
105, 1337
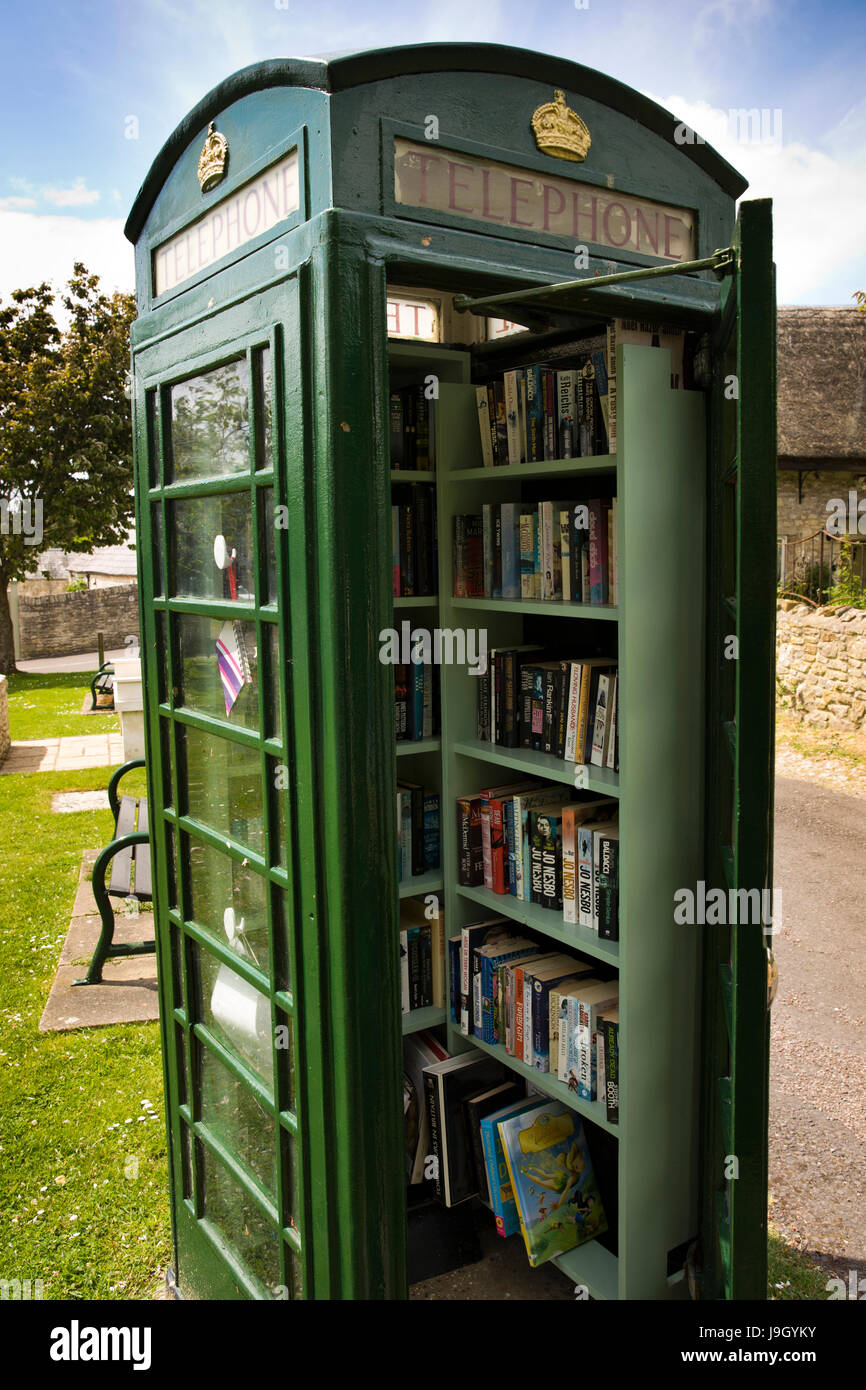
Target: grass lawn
83, 1182
49, 706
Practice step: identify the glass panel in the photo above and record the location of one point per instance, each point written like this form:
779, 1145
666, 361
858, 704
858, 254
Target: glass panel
229, 900
165, 767
209, 679
265, 415
195, 524
186, 1161
152, 449
290, 1169
267, 534
236, 1119
278, 774
224, 786
285, 1044
273, 703
177, 966
245, 1228
180, 1037
161, 657
157, 549
210, 424
282, 923
171, 865
236, 1013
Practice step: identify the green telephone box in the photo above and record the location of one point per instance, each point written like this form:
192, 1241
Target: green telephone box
315, 237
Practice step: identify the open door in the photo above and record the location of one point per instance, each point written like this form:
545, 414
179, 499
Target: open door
738, 966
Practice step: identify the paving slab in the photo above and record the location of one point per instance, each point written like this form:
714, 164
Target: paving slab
68, 754
128, 993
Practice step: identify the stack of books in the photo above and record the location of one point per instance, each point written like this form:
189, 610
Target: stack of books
412, 429
537, 413
422, 956
418, 850
416, 701
566, 707
413, 540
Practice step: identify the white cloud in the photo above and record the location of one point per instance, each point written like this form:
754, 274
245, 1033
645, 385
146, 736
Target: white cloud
37, 248
75, 197
15, 204
818, 202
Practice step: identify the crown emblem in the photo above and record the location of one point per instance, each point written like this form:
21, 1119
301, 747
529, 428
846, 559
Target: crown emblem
212, 160
559, 131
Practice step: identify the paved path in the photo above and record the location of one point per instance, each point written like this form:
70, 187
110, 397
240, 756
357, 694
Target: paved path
83, 661
818, 1048
63, 754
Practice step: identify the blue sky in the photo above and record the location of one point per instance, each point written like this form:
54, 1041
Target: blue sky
74, 73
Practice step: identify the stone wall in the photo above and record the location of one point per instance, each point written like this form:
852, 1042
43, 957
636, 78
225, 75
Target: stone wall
4, 718
797, 519
821, 664
63, 624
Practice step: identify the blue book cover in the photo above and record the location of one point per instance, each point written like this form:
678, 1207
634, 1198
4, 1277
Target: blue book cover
555, 1188
510, 549
498, 1181
511, 841
534, 415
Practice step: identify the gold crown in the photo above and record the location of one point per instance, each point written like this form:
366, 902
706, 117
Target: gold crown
212, 160
559, 131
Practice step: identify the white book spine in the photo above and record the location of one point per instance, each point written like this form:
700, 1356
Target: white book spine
573, 702
601, 723
547, 560
584, 876
512, 418
569, 867
565, 554
611, 738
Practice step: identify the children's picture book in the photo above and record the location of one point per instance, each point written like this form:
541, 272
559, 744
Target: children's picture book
552, 1179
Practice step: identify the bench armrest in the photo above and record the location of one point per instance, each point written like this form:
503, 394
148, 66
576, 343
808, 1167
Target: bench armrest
113, 799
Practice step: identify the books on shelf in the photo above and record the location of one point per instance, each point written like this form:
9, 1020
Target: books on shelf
566, 707
548, 413
551, 551
422, 957
414, 551
412, 434
418, 832
555, 1190
419, 1051
447, 1085
416, 701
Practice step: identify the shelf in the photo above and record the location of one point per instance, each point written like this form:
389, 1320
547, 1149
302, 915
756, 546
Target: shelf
417, 601
417, 1019
413, 475
590, 1109
553, 468
422, 883
417, 745
547, 922
598, 779
553, 608
590, 1264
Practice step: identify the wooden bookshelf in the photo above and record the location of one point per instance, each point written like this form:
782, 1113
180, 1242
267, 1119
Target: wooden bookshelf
656, 629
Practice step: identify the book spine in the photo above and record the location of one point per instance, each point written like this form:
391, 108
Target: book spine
546, 510
534, 415
434, 1120
608, 888
585, 1086
432, 846
512, 416
565, 554
551, 896
569, 899
565, 385
584, 876
486, 844
511, 580
611, 1070
405, 1004
611, 742
487, 546
600, 723
571, 719
484, 426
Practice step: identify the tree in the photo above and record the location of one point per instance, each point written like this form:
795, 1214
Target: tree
65, 429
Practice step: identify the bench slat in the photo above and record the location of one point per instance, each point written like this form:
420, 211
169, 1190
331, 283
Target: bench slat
143, 887
121, 864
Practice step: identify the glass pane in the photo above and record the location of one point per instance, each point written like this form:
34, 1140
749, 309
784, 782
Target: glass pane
265, 416
186, 1160
161, 657
194, 526
211, 677
157, 548
273, 703
230, 901
236, 1119
224, 786
152, 440
282, 924
284, 1039
171, 865
177, 966
237, 1013
278, 774
210, 424
245, 1228
165, 768
181, 1064
267, 533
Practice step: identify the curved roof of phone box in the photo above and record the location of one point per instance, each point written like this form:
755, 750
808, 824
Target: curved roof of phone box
340, 72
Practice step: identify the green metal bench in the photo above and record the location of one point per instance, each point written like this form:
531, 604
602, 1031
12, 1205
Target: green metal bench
102, 684
130, 847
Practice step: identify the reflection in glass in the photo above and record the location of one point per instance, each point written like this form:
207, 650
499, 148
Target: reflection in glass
244, 1226
235, 1117
156, 539
272, 689
201, 686
229, 900
265, 415
224, 786
194, 526
210, 425
236, 1012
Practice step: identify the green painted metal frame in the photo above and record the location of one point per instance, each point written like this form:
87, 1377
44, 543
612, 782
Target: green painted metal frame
741, 712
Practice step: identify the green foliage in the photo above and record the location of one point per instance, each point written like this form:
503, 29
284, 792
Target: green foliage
813, 583
75, 586
848, 586
791, 1275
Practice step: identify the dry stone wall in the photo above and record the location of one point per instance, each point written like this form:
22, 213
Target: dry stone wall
821, 664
